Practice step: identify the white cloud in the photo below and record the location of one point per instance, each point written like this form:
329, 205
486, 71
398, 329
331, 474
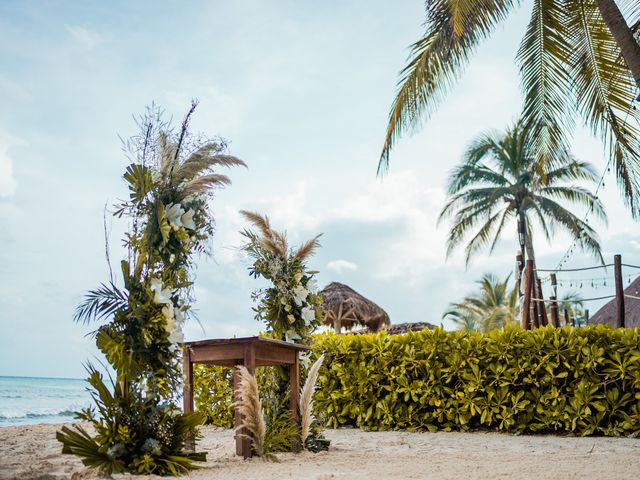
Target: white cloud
8, 182
86, 38
342, 266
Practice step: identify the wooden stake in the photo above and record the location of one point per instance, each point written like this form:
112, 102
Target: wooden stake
586, 316
542, 310
555, 319
617, 267
567, 320
525, 322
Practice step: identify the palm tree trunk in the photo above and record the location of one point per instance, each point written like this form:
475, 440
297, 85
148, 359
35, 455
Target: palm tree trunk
530, 255
623, 35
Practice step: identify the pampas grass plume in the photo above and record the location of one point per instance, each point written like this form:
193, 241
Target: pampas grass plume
306, 400
250, 407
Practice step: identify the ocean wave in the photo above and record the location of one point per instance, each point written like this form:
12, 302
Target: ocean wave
39, 413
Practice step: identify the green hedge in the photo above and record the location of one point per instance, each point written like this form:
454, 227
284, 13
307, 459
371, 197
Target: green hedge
585, 381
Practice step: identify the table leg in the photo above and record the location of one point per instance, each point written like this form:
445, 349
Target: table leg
294, 395
187, 395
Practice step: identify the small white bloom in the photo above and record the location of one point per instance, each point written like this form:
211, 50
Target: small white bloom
172, 258
312, 286
305, 359
152, 446
179, 316
297, 277
187, 219
156, 176
174, 214
169, 315
308, 315
300, 294
291, 336
176, 336
161, 295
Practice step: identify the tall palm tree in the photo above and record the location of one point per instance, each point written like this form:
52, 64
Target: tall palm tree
576, 59
494, 306
499, 179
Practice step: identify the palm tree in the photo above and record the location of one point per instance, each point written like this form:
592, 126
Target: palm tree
494, 306
571, 63
500, 179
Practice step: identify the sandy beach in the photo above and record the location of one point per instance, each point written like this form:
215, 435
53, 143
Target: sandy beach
31, 452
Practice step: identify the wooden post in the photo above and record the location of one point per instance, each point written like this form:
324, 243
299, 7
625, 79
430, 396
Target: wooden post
525, 322
554, 284
519, 270
617, 266
567, 320
542, 310
555, 320
586, 317
294, 395
187, 395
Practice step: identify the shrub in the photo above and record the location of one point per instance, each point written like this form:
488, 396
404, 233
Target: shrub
585, 381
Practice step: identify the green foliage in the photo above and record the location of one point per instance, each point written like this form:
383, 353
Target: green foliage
213, 394
493, 307
585, 381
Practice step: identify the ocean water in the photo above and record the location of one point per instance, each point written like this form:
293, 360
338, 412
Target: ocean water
29, 400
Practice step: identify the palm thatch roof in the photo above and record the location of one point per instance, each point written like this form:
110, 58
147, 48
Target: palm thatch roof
400, 328
344, 307
608, 313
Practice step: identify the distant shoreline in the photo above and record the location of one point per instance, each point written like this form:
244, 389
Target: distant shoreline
39, 378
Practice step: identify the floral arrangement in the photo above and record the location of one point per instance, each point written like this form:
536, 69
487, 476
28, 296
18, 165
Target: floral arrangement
138, 427
292, 307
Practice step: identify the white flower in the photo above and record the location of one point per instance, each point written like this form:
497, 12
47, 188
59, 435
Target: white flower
161, 295
305, 359
312, 286
156, 176
187, 219
176, 336
169, 315
291, 336
297, 277
179, 316
308, 315
300, 294
174, 214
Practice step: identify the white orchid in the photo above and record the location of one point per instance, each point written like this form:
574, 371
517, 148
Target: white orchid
291, 336
161, 295
308, 315
312, 286
176, 336
174, 214
305, 359
300, 294
187, 219
170, 319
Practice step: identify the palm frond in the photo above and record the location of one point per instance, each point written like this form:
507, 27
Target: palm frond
606, 92
100, 303
544, 56
437, 60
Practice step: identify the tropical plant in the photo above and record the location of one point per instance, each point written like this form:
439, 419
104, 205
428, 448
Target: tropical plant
495, 305
499, 179
570, 63
139, 427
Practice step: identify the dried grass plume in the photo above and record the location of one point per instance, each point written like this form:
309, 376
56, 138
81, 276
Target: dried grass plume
249, 405
306, 400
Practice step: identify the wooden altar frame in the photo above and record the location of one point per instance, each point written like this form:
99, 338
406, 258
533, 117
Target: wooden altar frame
251, 352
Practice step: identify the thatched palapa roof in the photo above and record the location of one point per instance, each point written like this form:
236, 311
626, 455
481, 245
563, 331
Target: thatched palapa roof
344, 307
608, 313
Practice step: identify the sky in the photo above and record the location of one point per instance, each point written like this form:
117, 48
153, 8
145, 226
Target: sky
301, 90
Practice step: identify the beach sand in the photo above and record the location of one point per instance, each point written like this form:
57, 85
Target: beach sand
32, 452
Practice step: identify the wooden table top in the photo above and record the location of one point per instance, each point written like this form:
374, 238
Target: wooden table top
244, 340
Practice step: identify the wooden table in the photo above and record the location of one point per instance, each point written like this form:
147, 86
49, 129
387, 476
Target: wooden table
251, 352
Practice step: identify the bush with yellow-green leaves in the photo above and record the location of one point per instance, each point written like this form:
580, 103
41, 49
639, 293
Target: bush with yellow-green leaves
585, 381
